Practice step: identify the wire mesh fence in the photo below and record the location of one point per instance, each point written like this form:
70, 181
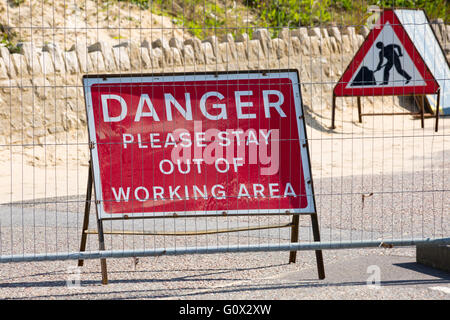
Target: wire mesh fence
376, 178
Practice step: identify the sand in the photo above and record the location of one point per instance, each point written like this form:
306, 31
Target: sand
378, 145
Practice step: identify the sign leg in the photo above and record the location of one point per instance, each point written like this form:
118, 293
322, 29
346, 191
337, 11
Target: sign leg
359, 109
87, 209
333, 111
319, 257
422, 117
294, 237
101, 242
437, 110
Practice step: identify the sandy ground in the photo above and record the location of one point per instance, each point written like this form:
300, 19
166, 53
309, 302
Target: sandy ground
404, 166
222, 277
378, 145
71, 23
383, 178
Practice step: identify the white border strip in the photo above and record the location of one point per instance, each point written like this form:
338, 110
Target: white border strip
117, 79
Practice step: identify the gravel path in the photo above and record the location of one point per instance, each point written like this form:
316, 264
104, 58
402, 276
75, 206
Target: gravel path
230, 277
419, 210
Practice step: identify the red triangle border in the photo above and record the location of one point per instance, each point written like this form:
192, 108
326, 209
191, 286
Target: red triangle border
431, 86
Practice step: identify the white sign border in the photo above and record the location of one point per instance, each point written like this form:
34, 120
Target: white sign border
90, 80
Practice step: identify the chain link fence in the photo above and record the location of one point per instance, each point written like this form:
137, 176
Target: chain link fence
377, 179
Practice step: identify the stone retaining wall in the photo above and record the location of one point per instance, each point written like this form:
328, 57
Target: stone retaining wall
131, 56
41, 96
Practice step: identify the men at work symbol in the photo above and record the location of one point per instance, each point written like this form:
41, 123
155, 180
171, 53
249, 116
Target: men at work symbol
393, 59
392, 54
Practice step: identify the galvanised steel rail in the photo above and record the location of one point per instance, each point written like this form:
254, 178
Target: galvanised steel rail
389, 243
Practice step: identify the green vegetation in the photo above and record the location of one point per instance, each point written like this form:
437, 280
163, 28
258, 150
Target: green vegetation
283, 13
203, 18
434, 8
6, 39
143, 4
17, 2
199, 17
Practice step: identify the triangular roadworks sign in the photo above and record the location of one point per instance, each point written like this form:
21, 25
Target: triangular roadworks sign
387, 64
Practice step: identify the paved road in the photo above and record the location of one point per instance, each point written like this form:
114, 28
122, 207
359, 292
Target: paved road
234, 276
49, 228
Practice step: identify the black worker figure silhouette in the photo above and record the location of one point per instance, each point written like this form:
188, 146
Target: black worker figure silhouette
392, 54
393, 59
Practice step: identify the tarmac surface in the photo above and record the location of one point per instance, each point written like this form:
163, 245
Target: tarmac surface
350, 274
53, 225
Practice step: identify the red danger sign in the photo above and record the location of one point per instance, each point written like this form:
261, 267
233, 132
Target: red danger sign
198, 144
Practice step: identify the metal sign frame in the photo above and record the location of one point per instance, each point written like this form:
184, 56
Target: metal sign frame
431, 87
125, 80
429, 100
93, 177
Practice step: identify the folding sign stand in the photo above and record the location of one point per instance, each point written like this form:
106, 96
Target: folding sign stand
386, 64
294, 225
419, 99
120, 107
84, 231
